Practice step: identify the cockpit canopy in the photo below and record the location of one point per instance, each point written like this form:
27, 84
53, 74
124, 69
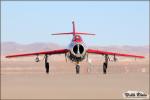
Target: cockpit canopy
77, 38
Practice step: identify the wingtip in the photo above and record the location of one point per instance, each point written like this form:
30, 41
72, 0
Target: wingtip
53, 34
142, 56
6, 56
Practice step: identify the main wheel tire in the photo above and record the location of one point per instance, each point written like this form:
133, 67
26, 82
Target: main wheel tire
77, 69
104, 68
47, 67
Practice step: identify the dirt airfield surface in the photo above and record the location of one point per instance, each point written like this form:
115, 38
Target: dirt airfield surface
22, 78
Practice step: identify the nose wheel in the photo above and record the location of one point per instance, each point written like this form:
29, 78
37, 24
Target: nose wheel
77, 69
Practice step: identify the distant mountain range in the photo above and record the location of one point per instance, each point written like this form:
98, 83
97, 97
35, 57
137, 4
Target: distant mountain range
12, 47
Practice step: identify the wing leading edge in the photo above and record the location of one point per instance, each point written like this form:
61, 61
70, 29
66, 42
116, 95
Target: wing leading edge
112, 53
60, 51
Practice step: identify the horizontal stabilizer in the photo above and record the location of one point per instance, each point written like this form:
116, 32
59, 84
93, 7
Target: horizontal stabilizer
82, 33
62, 33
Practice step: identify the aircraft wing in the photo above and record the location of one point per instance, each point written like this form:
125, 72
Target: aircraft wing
51, 52
112, 53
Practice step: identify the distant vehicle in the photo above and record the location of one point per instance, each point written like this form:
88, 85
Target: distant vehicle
76, 52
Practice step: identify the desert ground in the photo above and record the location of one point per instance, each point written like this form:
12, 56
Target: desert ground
22, 78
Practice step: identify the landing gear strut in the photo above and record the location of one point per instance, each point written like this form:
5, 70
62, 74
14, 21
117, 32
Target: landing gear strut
104, 67
46, 64
77, 69
105, 64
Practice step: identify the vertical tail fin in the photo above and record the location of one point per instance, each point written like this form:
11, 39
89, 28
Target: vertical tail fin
73, 31
73, 27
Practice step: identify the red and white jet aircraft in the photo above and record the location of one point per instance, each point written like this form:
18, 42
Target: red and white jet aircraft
76, 52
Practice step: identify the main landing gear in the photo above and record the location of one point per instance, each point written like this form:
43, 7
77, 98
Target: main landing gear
105, 64
46, 64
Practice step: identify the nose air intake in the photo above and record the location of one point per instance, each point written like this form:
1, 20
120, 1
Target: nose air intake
77, 52
78, 49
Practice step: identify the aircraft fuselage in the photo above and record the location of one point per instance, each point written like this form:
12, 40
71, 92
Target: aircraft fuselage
77, 49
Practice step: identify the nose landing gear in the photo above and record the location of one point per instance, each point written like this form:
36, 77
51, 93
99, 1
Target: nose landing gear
77, 68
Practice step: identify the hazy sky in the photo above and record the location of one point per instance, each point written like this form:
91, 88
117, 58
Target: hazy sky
113, 22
